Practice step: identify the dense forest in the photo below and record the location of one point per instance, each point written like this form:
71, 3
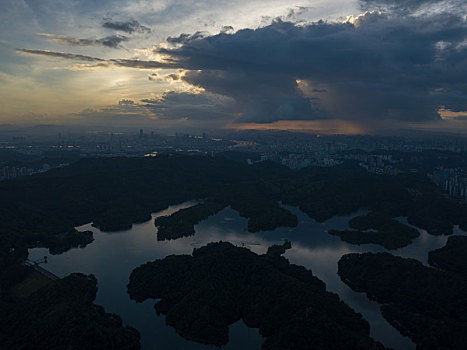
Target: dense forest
378, 228
219, 284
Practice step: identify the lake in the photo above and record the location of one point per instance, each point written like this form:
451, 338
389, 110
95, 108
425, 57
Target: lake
113, 255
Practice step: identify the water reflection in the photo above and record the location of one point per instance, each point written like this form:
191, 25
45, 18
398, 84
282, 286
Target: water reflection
112, 257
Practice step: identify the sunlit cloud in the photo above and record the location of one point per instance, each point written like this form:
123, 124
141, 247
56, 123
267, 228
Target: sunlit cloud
449, 114
309, 126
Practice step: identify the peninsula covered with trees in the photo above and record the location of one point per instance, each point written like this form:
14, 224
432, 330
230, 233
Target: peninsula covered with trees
424, 303
182, 223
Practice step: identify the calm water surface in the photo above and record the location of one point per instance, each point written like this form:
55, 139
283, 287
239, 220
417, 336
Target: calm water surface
112, 257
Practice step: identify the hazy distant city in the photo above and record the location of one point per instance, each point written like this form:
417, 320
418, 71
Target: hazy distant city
22, 155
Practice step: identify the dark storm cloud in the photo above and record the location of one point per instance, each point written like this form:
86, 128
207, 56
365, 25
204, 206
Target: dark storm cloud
187, 38
129, 27
259, 96
112, 41
405, 5
381, 66
191, 107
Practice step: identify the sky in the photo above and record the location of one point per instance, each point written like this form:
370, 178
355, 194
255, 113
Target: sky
332, 66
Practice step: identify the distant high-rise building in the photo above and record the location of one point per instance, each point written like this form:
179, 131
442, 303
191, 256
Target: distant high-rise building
6, 173
13, 173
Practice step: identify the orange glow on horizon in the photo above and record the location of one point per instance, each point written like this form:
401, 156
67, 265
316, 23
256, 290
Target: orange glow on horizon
449, 114
335, 126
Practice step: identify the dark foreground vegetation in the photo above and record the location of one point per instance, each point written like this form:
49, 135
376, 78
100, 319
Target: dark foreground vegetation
427, 304
61, 315
203, 294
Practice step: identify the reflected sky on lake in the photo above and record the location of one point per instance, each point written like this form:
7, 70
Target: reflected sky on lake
113, 255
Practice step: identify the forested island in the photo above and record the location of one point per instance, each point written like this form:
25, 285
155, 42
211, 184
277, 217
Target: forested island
377, 228
429, 305
182, 223
203, 293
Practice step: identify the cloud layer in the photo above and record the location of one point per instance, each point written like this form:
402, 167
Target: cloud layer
112, 41
400, 5
375, 66
400, 61
128, 63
